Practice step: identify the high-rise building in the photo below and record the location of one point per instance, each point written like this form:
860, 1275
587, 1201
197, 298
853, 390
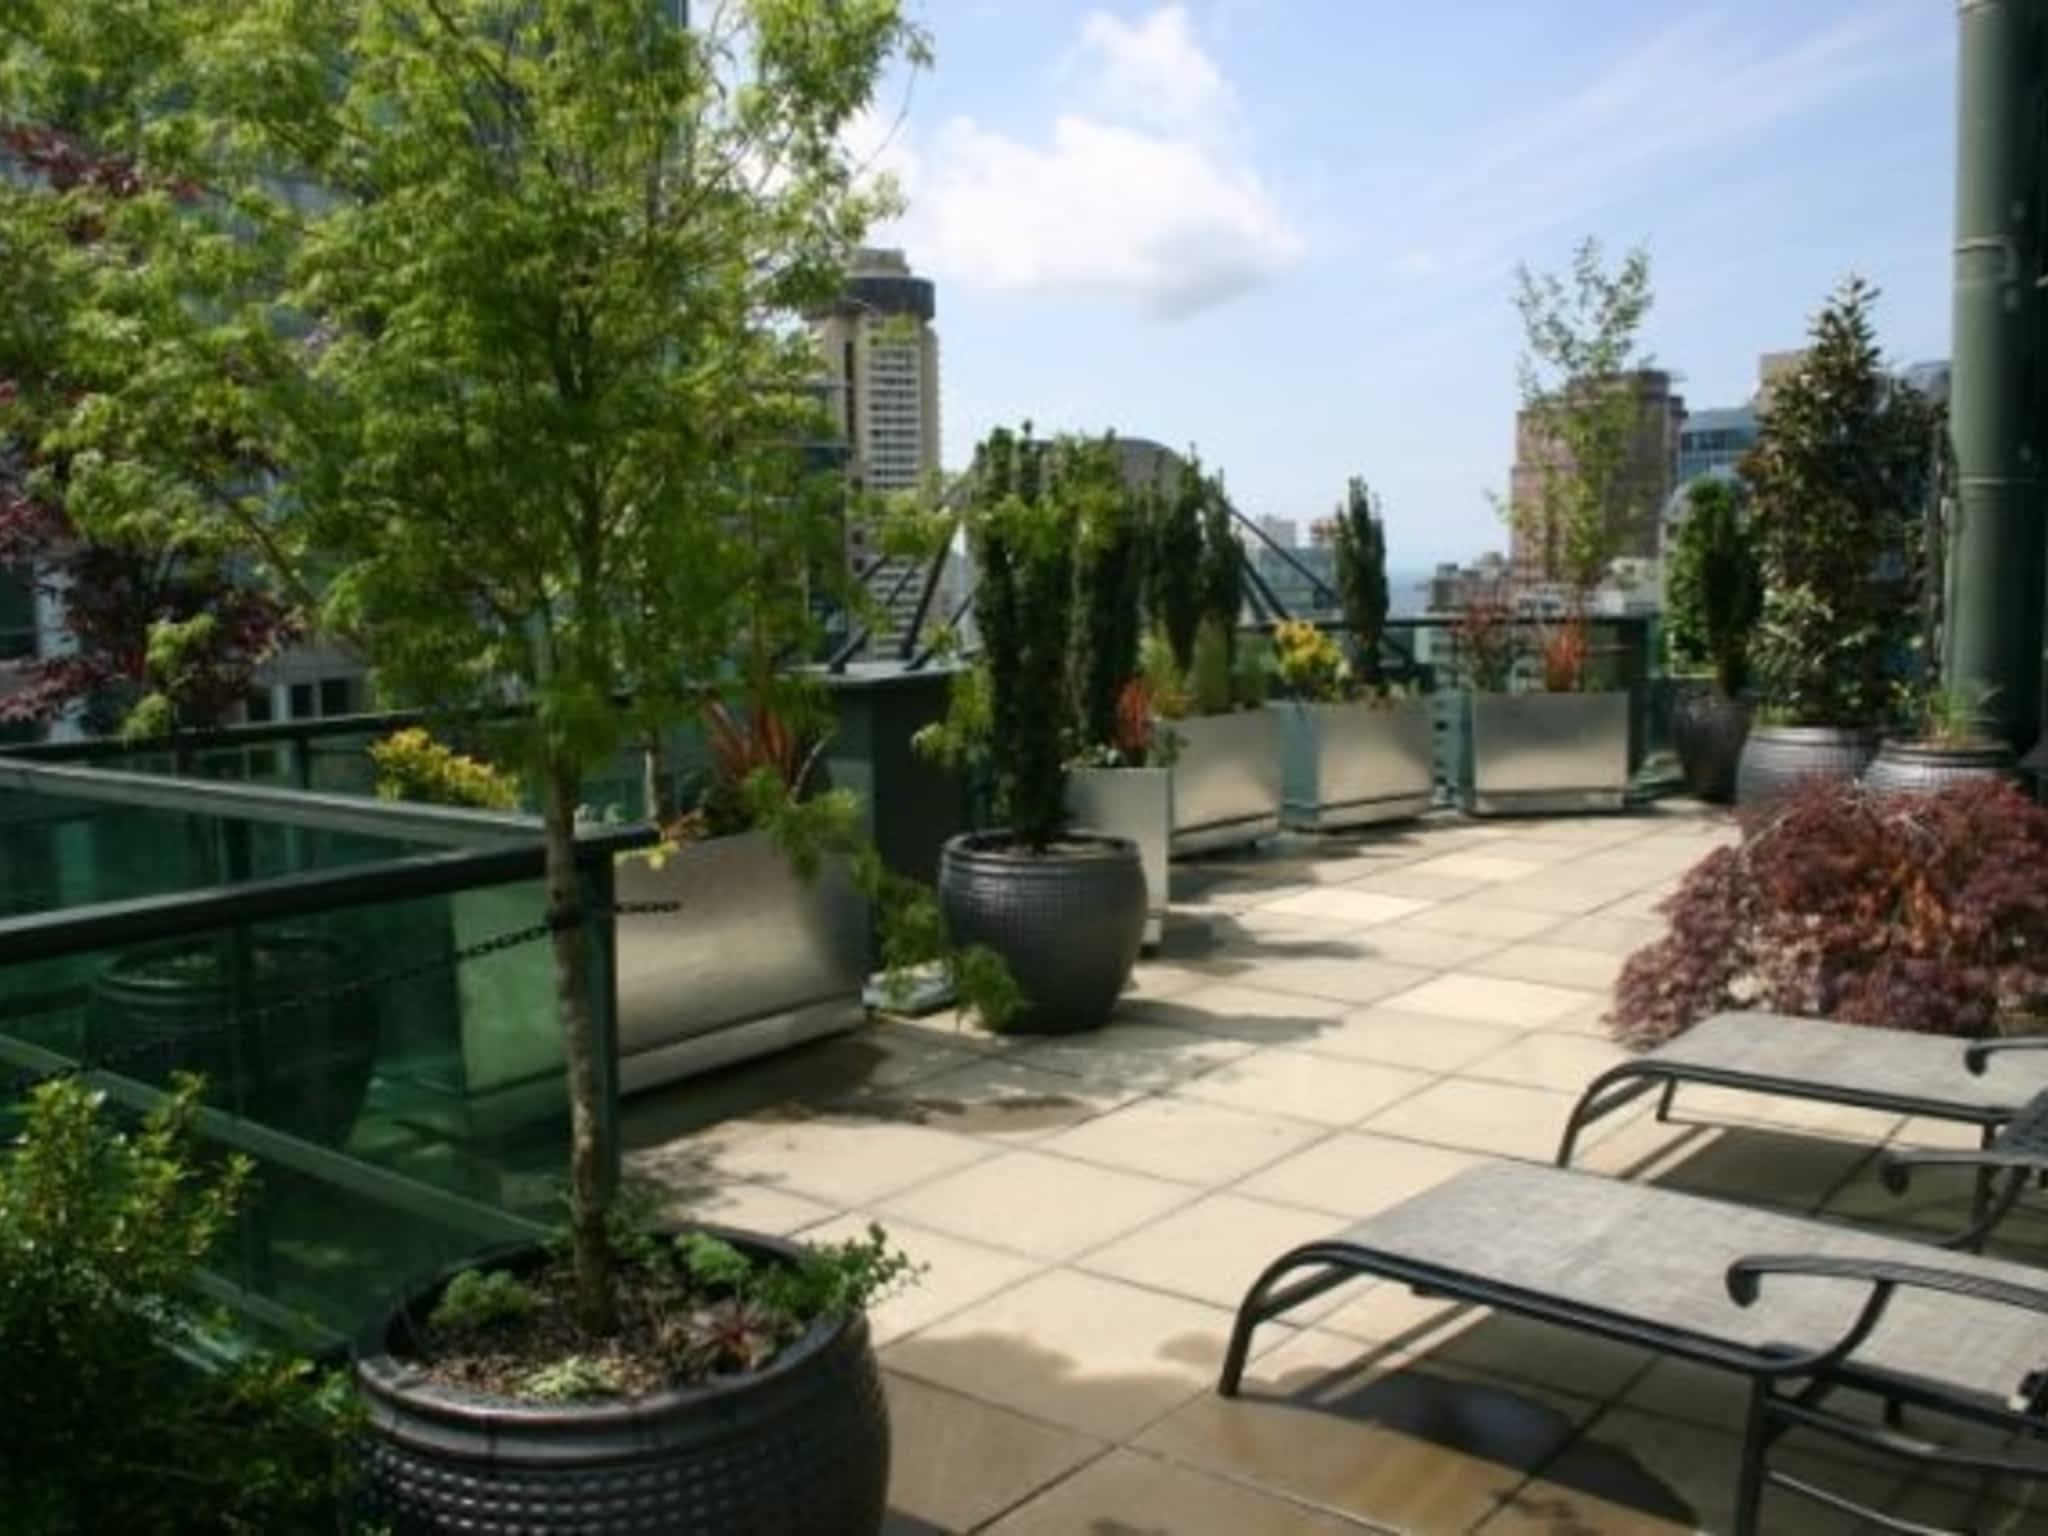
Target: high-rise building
1535, 550
881, 365
881, 358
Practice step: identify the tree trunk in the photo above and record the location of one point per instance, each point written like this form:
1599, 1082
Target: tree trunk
596, 1311
657, 783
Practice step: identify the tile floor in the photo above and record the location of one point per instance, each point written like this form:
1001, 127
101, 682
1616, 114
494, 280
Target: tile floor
1330, 1027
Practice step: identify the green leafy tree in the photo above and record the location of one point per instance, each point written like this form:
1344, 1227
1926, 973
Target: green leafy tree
1577, 382
505, 287
1176, 584
1838, 477
1222, 566
1360, 539
1715, 589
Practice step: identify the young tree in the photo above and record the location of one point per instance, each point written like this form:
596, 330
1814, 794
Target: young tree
1176, 584
1839, 478
1576, 376
1361, 547
1221, 581
530, 358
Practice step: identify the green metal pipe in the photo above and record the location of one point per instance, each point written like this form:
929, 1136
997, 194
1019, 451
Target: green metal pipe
1996, 550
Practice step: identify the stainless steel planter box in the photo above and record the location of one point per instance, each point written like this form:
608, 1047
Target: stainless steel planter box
756, 960
1136, 803
1545, 753
1226, 780
1349, 765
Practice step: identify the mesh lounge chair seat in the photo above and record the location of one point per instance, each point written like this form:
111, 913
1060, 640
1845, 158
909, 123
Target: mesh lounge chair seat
1981, 1083
1696, 1278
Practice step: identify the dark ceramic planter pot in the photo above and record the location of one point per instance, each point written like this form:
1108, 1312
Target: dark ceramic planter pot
170, 1007
1708, 728
799, 1449
1920, 766
1068, 922
1776, 757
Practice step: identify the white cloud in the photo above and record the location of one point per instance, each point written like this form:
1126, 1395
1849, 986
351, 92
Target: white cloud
1419, 261
1141, 188
1151, 71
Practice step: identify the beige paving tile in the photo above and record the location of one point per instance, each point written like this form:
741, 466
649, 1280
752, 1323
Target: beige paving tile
1761, 1167
1469, 915
1559, 964
1164, 978
960, 1462
955, 1273
1489, 867
1095, 1355
1426, 1042
1562, 892
753, 1207
1500, 1118
1126, 1492
1621, 936
1641, 905
846, 1161
1630, 1475
1426, 947
1211, 1251
1344, 904
1402, 1449
1139, 1056
1516, 1349
1493, 1000
1408, 880
1353, 1175
1325, 1089
1008, 1098
1251, 1014
1184, 1140
1348, 981
1048, 1207
1543, 1059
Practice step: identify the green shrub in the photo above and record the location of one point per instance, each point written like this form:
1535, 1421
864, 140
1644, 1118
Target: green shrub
1211, 677
108, 1426
1716, 591
411, 765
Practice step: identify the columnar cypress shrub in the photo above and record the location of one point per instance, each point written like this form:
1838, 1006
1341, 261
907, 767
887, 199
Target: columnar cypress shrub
1361, 547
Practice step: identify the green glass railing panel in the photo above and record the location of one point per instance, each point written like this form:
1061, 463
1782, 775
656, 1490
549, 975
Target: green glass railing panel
59, 852
402, 1109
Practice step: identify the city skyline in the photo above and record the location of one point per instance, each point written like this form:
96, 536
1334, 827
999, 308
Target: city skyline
1287, 235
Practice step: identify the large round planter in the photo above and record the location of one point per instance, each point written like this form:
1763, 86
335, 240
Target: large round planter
304, 1069
798, 1449
1776, 757
1919, 766
1068, 922
1708, 729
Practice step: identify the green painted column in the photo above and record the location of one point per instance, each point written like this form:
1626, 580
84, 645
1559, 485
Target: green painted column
1996, 550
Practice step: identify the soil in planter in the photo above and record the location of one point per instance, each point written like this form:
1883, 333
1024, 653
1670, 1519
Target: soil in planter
680, 1324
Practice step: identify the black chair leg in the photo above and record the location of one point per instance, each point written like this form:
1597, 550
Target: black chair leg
1756, 1443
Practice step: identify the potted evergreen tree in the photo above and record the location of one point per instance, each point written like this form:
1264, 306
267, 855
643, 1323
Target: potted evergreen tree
1838, 478
1714, 595
1226, 757
1566, 747
1119, 782
1352, 753
1064, 909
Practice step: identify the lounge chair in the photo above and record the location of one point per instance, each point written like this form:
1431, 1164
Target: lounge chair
1975, 1082
1803, 1309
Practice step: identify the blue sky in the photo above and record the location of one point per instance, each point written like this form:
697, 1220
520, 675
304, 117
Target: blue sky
1284, 230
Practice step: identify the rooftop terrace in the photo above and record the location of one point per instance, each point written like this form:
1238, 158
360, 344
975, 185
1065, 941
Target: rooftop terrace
1329, 1028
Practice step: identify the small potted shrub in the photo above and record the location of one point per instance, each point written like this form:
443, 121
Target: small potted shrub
1925, 912
1561, 749
1064, 909
1950, 745
1838, 478
1715, 596
1352, 752
1226, 766
781, 953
